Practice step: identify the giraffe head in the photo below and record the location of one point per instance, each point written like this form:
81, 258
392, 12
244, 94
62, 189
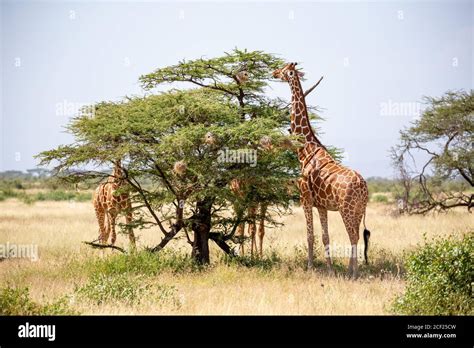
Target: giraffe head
288, 73
118, 171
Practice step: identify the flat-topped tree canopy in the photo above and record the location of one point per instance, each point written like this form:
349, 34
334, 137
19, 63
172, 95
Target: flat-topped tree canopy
222, 74
154, 133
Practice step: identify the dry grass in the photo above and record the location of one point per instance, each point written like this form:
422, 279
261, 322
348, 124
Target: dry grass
59, 227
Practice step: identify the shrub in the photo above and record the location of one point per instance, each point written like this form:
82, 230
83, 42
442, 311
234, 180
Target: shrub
265, 263
125, 288
55, 195
380, 198
25, 198
17, 301
105, 288
143, 263
58, 195
7, 192
83, 197
439, 279
58, 307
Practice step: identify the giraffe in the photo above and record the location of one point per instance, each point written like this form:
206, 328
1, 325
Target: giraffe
238, 188
324, 183
108, 204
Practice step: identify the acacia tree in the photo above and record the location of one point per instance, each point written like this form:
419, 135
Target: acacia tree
444, 136
178, 179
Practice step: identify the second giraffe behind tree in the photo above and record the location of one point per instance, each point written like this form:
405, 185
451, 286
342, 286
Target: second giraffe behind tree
324, 183
254, 215
109, 202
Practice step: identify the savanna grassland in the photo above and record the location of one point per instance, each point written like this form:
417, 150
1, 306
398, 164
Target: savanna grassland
90, 281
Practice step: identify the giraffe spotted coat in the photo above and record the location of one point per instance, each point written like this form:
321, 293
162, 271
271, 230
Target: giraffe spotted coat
324, 183
109, 203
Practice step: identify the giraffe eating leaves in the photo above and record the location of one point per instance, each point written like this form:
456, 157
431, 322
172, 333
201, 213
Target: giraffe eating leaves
109, 202
324, 183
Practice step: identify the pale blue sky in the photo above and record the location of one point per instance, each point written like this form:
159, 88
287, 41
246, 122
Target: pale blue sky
57, 55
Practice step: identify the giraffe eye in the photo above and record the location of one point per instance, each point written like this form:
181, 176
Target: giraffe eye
290, 73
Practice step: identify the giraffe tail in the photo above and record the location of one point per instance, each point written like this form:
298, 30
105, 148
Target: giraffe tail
366, 242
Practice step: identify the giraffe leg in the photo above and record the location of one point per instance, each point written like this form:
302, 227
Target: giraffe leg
323, 217
241, 234
354, 240
105, 238
307, 203
131, 235
100, 214
102, 227
112, 217
261, 227
352, 222
252, 233
354, 260
252, 230
308, 212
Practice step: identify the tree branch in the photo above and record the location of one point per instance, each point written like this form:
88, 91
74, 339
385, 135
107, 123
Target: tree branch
169, 236
104, 246
465, 176
217, 238
215, 87
140, 191
163, 176
174, 230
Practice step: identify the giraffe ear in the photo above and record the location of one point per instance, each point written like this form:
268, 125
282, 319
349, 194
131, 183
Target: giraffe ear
300, 73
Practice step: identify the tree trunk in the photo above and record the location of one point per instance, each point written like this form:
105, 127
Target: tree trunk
201, 227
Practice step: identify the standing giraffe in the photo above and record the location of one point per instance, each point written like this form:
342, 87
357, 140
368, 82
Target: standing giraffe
237, 187
324, 183
108, 203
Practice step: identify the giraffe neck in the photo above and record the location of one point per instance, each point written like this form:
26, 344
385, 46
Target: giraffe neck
117, 174
300, 124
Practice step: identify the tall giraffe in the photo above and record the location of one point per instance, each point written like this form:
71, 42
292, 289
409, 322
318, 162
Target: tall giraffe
108, 203
324, 183
238, 188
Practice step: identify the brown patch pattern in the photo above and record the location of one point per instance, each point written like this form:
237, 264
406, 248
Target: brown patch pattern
109, 202
324, 184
